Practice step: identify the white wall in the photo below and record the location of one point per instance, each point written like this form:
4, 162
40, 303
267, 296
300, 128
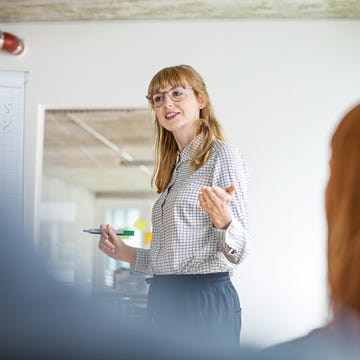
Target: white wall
279, 88
65, 210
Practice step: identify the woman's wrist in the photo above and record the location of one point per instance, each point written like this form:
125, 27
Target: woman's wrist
222, 224
128, 254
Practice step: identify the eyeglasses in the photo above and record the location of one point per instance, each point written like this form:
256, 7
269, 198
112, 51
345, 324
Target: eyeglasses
175, 94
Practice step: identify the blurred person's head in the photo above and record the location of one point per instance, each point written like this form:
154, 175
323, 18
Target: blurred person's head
343, 214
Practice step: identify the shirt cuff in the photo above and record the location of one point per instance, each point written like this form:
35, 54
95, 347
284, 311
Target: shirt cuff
142, 261
233, 241
229, 237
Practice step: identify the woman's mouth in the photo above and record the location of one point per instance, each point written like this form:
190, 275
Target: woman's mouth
171, 115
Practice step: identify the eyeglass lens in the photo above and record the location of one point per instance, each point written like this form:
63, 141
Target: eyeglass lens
175, 94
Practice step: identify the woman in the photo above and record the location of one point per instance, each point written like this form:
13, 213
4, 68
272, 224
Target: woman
199, 221
340, 339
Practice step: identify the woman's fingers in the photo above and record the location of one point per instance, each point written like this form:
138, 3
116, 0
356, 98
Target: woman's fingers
231, 189
214, 195
216, 202
106, 243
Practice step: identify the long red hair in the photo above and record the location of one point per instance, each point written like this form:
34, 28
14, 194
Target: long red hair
343, 213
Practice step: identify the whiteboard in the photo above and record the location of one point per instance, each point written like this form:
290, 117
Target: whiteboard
12, 84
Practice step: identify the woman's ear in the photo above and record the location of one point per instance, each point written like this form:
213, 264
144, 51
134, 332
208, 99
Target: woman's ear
202, 103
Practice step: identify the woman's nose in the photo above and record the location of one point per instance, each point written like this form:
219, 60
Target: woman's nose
167, 100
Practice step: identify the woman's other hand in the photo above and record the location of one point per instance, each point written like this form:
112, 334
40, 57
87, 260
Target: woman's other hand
111, 245
216, 202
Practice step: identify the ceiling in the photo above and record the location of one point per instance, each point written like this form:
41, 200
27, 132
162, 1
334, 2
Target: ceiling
107, 151
85, 10
110, 151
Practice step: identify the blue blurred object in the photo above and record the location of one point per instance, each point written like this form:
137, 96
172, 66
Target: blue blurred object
42, 319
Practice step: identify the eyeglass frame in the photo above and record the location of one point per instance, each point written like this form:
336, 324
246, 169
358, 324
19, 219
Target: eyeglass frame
150, 96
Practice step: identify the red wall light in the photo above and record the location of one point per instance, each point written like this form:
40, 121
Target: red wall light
11, 43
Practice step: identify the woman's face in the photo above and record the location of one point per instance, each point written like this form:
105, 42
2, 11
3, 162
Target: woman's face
179, 114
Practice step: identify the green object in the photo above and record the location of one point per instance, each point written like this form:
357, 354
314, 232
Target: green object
117, 232
124, 232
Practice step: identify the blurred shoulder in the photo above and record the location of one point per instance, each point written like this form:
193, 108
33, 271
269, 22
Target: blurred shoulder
319, 344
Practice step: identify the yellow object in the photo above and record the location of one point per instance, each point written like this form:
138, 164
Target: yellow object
123, 236
141, 224
147, 237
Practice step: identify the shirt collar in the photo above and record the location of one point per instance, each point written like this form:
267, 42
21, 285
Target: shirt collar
189, 151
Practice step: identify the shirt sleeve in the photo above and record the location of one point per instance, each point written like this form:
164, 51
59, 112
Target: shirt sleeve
230, 168
142, 262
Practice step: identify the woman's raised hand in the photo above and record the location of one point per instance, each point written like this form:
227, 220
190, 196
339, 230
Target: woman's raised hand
216, 202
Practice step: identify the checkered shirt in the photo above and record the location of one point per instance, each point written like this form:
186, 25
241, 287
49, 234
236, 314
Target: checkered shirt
184, 239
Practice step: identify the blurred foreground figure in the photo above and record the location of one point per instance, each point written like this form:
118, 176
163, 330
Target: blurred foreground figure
340, 339
41, 319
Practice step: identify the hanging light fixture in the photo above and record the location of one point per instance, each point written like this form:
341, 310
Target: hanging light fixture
11, 43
